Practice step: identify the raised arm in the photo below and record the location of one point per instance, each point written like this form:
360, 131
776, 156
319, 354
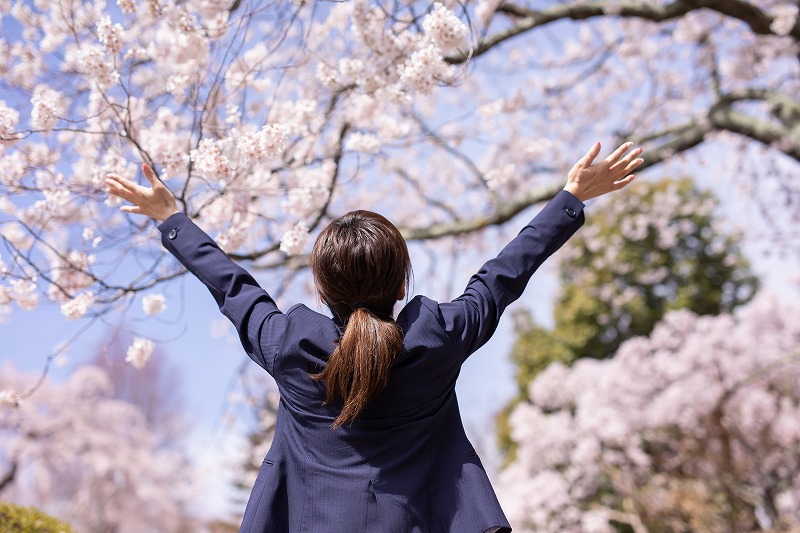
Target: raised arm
249, 307
472, 318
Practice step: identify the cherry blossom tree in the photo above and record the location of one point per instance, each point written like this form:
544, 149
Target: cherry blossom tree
268, 118
75, 451
694, 428
663, 246
154, 388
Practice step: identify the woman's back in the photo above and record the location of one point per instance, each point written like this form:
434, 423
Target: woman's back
405, 464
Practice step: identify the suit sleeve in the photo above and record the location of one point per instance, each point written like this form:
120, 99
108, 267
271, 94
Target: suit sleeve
471, 319
258, 320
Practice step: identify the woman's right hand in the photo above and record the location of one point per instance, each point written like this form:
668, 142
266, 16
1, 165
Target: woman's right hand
156, 202
587, 180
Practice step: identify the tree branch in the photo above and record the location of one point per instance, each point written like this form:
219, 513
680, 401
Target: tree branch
9, 477
528, 19
505, 213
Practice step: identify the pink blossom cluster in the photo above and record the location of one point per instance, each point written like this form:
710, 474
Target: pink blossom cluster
294, 240
69, 274
77, 306
424, 69
445, 30
266, 143
700, 400
46, 106
110, 35
309, 191
210, 160
8, 120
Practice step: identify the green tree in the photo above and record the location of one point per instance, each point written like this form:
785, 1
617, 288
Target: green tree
658, 248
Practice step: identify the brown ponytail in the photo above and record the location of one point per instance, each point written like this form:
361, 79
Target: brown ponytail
361, 267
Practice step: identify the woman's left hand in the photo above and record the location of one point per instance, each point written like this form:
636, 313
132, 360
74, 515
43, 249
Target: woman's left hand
156, 202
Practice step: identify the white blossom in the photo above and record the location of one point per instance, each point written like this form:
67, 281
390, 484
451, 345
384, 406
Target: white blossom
9, 398
294, 240
272, 140
424, 69
350, 68
46, 106
444, 29
110, 35
139, 352
127, 6
77, 306
363, 142
785, 18
23, 292
154, 304
5, 295
210, 160
8, 120
97, 66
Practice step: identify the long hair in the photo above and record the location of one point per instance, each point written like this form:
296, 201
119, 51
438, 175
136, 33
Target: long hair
361, 267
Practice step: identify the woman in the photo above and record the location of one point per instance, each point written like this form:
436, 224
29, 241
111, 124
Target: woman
369, 435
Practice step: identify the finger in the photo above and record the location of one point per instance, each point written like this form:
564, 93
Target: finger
120, 182
630, 167
626, 159
116, 189
587, 160
135, 209
616, 154
150, 174
617, 185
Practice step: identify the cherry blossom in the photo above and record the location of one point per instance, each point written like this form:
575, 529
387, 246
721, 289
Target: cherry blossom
260, 119
77, 306
445, 30
46, 105
139, 352
700, 399
154, 304
73, 447
294, 240
8, 120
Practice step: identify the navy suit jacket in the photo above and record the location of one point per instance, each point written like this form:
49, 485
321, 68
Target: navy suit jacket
405, 464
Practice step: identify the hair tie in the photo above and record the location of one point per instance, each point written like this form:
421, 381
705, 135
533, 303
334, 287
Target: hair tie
359, 305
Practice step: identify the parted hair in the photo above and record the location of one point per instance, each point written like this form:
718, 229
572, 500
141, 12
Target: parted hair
361, 267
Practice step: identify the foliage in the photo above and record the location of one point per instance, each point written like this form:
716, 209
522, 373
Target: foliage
640, 255
19, 519
694, 428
